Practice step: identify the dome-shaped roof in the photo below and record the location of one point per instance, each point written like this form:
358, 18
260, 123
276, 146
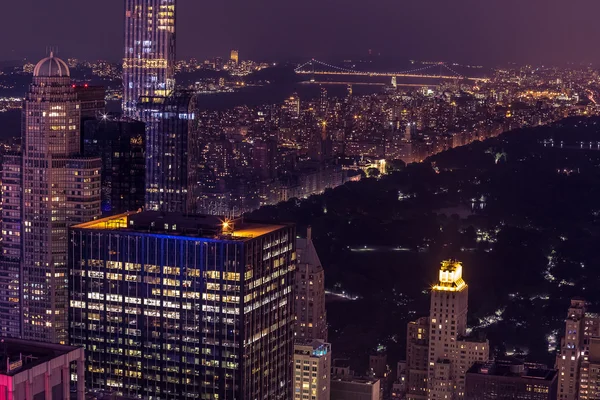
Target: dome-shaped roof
51, 67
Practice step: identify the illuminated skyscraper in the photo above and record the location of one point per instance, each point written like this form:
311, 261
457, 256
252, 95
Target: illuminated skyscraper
174, 307
451, 353
439, 352
235, 56
291, 106
323, 103
149, 61
58, 188
149, 95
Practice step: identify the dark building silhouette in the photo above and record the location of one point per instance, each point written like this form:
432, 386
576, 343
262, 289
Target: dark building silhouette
510, 379
121, 145
263, 157
92, 104
171, 151
92, 99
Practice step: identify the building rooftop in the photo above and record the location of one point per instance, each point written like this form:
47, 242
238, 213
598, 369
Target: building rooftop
51, 67
476, 337
178, 224
307, 254
511, 367
310, 347
18, 355
363, 380
450, 276
341, 362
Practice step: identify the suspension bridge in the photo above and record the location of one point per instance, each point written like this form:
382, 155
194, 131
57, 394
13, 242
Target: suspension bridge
316, 67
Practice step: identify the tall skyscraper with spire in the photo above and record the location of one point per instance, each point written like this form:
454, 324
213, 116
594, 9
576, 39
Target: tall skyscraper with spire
311, 317
451, 351
149, 61
51, 187
311, 349
439, 350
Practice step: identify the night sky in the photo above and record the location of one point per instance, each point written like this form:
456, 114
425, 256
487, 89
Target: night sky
476, 31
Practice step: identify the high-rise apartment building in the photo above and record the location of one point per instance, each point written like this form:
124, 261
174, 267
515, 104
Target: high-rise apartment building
312, 370
263, 157
149, 59
323, 103
568, 361
451, 352
578, 362
170, 306
59, 187
311, 316
291, 107
122, 145
589, 382
399, 386
417, 359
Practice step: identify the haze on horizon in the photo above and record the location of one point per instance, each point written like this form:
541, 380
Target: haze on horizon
488, 32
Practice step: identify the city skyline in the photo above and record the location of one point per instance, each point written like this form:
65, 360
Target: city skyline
463, 31
284, 247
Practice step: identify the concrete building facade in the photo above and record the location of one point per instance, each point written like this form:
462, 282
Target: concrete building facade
312, 370
33, 370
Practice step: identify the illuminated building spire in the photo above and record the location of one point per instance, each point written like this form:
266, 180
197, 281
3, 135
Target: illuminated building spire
450, 276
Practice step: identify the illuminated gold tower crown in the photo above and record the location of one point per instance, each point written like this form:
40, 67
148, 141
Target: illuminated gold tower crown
450, 277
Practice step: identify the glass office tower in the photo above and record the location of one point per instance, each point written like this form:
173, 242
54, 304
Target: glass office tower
170, 306
171, 151
149, 60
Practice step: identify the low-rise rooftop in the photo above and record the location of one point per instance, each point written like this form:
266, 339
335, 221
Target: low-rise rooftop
310, 347
341, 362
362, 380
513, 368
18, 355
